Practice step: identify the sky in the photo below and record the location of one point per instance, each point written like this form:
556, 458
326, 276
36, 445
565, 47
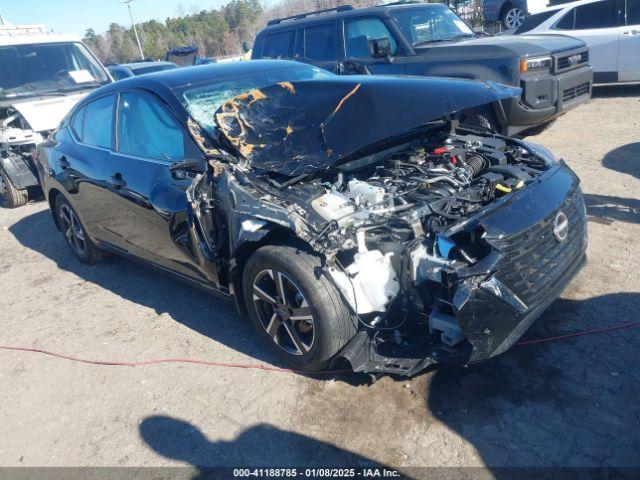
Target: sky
76, 16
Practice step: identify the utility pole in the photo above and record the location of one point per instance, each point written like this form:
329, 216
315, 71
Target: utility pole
135, 31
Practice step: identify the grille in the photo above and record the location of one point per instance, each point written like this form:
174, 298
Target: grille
534, 260
575, 92
564, 62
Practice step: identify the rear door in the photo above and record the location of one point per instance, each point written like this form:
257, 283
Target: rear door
82, 160
629, 53
150, 212
598, 25
320, 45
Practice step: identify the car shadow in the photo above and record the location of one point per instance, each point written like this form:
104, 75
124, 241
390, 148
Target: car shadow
260, 446
612, 208
624, 159
620, 90
570, 404
196, 309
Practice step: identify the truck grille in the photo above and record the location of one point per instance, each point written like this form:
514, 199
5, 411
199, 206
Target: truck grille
534, 260
575, 92
571, 60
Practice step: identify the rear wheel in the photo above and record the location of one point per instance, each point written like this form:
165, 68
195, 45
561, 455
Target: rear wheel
10, 196
75, 234
295, 308
512, 17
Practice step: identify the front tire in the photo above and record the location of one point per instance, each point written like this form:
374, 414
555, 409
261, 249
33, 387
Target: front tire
10, 196
75, 234
295, 308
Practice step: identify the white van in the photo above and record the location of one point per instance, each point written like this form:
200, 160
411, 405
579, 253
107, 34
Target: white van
41, 77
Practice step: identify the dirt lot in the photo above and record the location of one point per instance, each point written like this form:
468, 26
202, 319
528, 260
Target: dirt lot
569, 403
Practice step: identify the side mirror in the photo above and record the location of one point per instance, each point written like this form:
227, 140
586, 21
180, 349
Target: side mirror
380, 47
189, 166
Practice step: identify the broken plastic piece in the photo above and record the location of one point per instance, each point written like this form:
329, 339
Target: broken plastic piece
451, 334
369, 283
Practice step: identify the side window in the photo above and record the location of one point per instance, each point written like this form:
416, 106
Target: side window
77, 123
146, 129
98, 123
633, 12
93, 124
320, 41
566, 22
597, 15
359, 32
279, 44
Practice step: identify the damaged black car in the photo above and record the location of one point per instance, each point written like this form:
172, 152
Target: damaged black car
353, 219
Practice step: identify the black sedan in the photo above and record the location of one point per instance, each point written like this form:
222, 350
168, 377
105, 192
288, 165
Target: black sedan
351, 218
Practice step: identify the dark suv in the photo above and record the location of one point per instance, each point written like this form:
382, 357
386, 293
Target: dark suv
430, 39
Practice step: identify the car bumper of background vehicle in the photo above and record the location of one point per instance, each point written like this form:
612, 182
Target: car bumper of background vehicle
18, 171
546, 97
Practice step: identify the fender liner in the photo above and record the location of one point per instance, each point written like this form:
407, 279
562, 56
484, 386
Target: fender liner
18, 171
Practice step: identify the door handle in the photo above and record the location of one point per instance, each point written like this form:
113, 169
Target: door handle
64, 163
116, 181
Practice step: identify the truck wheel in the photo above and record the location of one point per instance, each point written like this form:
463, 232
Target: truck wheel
512, 17
296, 309
482, 117
10, 196
74, 233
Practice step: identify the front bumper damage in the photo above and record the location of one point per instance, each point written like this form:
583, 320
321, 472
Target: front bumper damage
491, 304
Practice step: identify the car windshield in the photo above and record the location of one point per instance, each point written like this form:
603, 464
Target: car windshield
54, 68
203, 101
432, 23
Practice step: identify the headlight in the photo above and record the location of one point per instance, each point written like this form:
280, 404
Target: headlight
538, 63
540, 151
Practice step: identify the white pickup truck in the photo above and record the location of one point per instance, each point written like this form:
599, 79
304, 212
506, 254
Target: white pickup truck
42, 76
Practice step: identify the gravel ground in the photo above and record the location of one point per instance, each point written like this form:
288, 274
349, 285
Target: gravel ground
569, 403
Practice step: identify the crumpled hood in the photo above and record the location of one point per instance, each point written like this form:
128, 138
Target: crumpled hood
45, 114
302, 127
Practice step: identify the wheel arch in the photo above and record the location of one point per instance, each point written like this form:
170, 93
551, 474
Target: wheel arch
271, 234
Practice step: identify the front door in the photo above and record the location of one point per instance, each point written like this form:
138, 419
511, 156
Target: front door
151, 214
357, 34
598, 25
629, 53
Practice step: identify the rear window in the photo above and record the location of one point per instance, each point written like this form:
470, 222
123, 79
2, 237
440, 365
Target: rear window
320, 42
604, 14
93, 123
534, 21
279, 45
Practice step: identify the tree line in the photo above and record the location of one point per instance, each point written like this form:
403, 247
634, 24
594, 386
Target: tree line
216, 32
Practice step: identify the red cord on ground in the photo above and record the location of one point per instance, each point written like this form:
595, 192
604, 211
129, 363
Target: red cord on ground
271, 368
580, 334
